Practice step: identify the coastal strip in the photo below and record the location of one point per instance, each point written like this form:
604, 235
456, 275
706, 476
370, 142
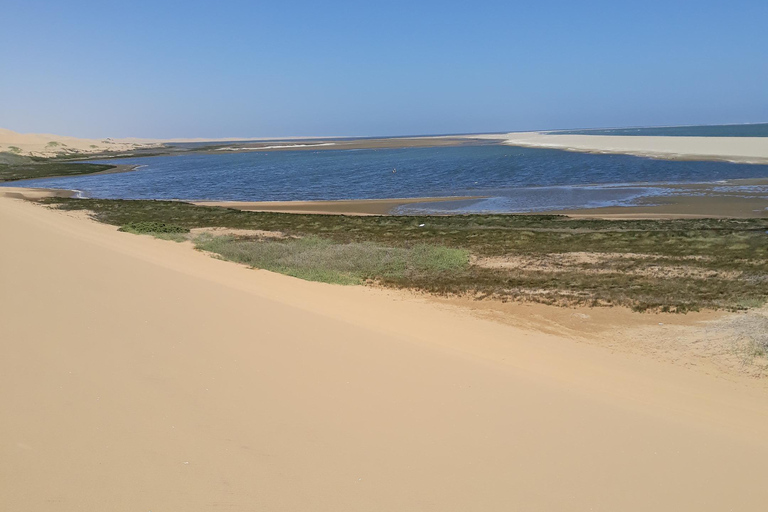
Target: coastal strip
751, 150
695, 201
342, 207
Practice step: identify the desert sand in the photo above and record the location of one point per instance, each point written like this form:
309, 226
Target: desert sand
47, 145
138, 374
733, 149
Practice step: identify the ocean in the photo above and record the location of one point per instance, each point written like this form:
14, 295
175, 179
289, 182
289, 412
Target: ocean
510, 179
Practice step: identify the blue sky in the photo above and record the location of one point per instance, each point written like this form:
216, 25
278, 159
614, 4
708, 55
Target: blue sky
295, 68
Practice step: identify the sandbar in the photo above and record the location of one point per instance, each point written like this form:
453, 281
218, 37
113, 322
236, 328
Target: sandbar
752, 150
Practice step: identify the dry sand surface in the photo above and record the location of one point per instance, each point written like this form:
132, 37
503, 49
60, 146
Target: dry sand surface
138, 374
47, 145
734, 149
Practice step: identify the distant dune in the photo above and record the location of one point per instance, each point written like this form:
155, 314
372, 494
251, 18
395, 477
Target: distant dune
47, 145
734, 149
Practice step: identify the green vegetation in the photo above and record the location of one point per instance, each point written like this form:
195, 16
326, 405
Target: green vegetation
319, 259
158, 230
152, 228
669, 265
29, 169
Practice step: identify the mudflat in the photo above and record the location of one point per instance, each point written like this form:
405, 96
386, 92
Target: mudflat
343, 207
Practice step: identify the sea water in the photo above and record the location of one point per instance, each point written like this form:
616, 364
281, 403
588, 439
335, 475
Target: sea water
511, 179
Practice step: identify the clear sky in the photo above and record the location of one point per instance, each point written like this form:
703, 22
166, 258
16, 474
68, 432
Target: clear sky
296, 68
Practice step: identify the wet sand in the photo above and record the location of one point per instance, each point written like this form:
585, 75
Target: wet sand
351, 207
679, 207
138, 374
695, 200
708, 204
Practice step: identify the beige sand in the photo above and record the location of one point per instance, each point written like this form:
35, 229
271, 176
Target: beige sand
47, 145
734, 149
137, 374
351, 207
34, 194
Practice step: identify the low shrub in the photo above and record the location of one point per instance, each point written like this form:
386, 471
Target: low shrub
152, 228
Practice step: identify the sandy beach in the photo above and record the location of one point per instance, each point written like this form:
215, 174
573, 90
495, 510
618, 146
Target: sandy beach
143, 375
733, 149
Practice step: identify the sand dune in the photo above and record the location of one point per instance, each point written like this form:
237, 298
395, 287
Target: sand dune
137, 374
47, 145
734, 149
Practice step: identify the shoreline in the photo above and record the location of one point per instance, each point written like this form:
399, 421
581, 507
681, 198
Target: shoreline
746, 150
703, 202
678, 207
332, 207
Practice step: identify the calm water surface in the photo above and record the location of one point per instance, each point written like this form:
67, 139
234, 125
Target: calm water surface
515, 179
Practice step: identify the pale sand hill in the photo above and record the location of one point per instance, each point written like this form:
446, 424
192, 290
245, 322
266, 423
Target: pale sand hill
137, 374
46, 145
735, 149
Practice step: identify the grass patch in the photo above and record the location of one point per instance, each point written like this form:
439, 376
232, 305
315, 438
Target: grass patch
318, 259
664, 265
152, 228
158, 230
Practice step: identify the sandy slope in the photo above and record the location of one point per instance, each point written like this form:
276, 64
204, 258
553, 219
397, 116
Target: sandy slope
137, 374
47, 145
735, 149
